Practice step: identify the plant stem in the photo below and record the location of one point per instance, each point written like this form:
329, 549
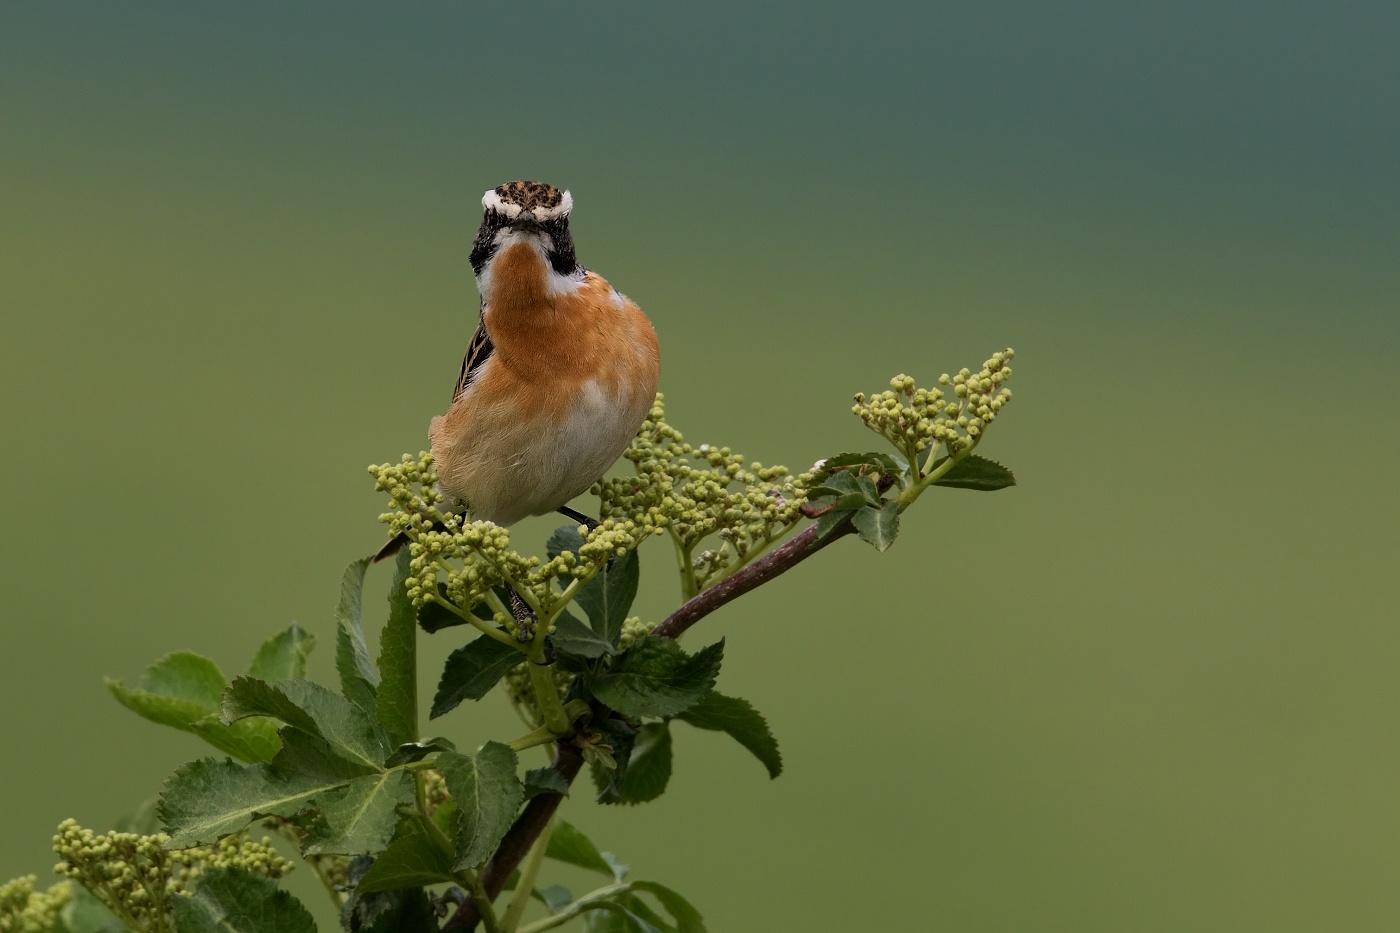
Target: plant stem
481, 902
484, 627
526, 884
546, 693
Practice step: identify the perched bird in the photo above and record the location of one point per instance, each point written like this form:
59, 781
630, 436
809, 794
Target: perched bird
558, 377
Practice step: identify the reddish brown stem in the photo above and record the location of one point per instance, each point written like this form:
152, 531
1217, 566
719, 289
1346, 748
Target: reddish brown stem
567, 759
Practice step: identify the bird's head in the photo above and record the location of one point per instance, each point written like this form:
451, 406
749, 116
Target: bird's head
529, 211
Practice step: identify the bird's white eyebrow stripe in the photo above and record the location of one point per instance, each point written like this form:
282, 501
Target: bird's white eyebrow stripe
492, 201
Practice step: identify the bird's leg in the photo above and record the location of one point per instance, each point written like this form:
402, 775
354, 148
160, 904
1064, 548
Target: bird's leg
578, 516
525, 618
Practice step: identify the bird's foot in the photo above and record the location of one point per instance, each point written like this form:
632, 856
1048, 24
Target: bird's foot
525, 618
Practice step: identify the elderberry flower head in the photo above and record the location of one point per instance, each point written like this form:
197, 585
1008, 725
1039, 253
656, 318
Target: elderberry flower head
914, 419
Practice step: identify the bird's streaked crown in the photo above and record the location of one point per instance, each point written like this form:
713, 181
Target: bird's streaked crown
533, 200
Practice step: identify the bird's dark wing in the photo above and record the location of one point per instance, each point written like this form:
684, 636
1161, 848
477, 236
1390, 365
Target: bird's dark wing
477, 352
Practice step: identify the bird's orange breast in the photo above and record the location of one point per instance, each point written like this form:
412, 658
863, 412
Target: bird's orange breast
573, 374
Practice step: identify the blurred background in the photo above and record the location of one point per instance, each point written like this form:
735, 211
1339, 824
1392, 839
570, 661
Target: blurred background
1154, 687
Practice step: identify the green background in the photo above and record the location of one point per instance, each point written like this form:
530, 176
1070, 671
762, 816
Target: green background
1154, 687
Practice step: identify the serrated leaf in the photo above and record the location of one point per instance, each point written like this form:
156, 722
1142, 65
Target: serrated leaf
556, 897
544, 781
412, 860
743, 723
634, 903
312, 709
878, 527
875, 462
305, 754
608, 596
564, 538
655, 677
283, 656
359, 818
607, 916
358, 679
487, 792
404, 910
648, 768
185, 676
210, 798
231, 900
396, 700
618, 736
569, 845
830, 521
471, 671
688, 919
416, 751
974, 472
574, 637
179, 691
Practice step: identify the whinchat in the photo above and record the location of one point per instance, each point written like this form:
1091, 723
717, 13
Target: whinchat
558, 377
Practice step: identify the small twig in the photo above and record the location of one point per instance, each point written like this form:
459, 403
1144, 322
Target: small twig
568, 759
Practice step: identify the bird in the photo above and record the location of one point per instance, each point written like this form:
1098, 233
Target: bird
558, 377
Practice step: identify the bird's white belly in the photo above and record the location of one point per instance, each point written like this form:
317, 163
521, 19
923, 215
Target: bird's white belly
537, 467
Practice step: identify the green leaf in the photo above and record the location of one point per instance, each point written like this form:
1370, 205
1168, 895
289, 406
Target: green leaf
830, 521
359, 818
305, 754
210, 798
396, 702
471, 671
874, 462
878, 527
312, 709
358, 679
182, 690
564, 538
607, 916
619, 737
544, 781
974, 472
283, 656
655, 677
688, 919
84, 913
573, 637
607, 597
567, 844
634, 903
850, 490
556, 897
232, 900
486, 790
648, 768
404, 910
186, 676
742, 722
412, 860
410, 752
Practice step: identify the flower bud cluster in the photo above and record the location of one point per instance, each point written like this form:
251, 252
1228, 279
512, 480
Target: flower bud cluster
914, 419
26, 910
699, 491
135, 876
466, 560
